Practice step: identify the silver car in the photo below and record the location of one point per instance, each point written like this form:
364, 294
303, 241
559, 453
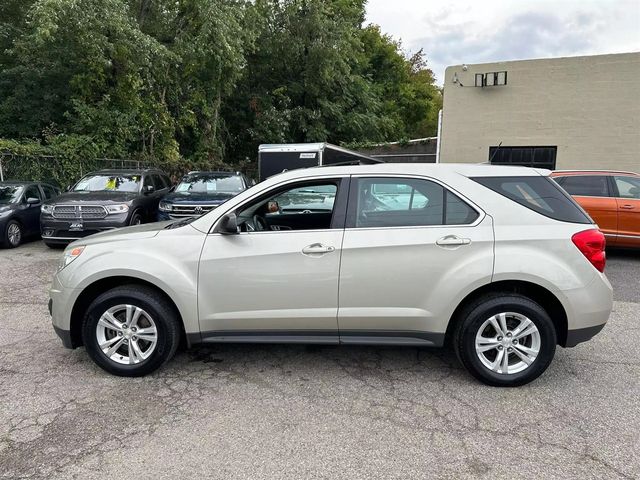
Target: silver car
498, 262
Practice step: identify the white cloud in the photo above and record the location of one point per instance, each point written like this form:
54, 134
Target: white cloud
467, 31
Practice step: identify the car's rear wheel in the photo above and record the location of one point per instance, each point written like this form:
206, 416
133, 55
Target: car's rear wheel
131, 330
505, 340
12, 234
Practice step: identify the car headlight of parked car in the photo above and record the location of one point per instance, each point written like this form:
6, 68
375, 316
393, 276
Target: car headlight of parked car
118, 208
48, 209
165, 206
69, 256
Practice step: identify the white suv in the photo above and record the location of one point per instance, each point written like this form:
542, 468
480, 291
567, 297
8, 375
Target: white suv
497, 261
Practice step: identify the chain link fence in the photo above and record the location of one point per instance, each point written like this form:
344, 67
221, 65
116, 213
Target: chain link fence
62, 172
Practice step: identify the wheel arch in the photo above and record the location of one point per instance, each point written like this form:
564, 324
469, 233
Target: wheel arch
91, 292
544, 297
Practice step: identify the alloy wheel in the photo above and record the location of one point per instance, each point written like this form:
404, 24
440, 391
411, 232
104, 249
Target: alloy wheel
126, 334
508, 343
14, 234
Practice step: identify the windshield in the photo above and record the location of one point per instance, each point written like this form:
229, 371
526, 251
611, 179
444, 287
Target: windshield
210, 183
108, 183
9, 193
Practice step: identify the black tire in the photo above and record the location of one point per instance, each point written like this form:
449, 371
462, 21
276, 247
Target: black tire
159, 309
474, 316
136, 218
13, 234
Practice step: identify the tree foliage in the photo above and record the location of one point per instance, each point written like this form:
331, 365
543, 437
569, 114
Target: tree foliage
204, 81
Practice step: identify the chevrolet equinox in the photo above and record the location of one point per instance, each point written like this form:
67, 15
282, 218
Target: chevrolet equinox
498, 262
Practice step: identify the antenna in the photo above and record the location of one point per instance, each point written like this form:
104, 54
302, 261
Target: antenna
494, 152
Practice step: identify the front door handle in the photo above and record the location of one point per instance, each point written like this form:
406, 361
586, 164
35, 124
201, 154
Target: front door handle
627, 207
452, 241
317, 249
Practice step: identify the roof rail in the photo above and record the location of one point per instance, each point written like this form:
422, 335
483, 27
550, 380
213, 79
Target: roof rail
588, 170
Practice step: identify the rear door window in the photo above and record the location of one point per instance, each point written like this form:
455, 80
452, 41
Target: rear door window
406, 202
586, 185
628, 187
539, 194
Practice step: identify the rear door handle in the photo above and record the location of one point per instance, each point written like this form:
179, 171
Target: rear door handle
452, 241
317, 249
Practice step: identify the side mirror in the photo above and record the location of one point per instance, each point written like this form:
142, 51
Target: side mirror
229, 224
68, 189
33, 201
149, 189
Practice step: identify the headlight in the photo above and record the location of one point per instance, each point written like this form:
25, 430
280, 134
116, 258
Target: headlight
165, 206
69, 256
48, 209
120, 208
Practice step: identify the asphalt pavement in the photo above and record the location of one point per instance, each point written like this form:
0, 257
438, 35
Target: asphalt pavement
259, 411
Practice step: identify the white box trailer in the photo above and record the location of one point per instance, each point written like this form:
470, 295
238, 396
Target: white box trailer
279, 157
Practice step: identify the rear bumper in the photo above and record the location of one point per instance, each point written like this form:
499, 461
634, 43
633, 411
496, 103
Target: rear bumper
574, 337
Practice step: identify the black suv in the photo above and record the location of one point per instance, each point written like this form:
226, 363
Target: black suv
200, 192
20, 210
103, 200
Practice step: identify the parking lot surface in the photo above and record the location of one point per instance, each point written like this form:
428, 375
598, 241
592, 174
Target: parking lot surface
259, 411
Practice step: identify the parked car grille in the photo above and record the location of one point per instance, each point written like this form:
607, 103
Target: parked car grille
180, 211
79, 211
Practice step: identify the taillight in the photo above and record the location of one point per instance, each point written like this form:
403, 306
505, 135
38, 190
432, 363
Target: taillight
591, 243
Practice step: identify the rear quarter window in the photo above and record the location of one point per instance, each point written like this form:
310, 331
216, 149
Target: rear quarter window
539, 194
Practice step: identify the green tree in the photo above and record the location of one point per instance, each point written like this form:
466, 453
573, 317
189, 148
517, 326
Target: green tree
303, 83
405, 85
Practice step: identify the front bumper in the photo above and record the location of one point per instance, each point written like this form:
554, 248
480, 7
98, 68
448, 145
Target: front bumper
61, 232
61, 301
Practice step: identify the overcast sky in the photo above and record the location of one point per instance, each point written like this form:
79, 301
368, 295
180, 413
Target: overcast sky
464, 31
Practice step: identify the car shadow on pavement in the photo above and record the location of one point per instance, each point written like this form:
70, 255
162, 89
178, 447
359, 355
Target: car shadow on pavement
321, 360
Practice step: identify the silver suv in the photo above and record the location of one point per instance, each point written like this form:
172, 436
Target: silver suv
498, 262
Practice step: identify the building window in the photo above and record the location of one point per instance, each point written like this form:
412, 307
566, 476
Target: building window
538, 157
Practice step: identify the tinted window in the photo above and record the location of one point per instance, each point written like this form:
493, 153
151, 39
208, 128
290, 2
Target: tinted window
32, 192
148, 181
628, 187
108, 183
586, 185
49, 192
539, 194
458, 212
158, 182
165, 181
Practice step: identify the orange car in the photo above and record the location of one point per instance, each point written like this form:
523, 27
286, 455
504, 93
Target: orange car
611, 198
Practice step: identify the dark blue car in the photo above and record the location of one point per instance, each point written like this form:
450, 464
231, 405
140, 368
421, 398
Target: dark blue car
200, 192
20, 210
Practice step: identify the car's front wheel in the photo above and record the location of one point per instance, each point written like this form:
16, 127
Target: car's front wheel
505, 340
131, 330
136, 218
